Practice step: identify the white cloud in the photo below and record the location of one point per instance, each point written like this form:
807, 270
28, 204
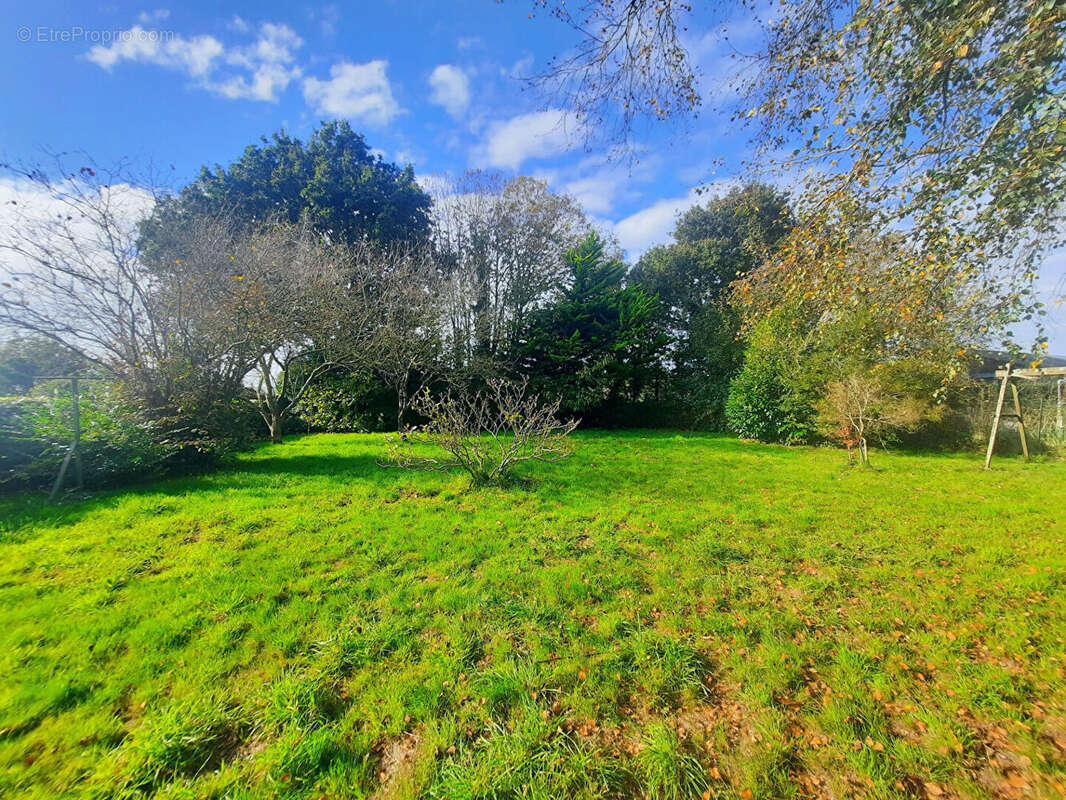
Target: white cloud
27, 206
328, 17
600, 182
354, 90
153, 17
257, 71
21, 198
652, 225
451, 89
596, 193
520, 70
267, 64
194, 56
538, 135
469, 42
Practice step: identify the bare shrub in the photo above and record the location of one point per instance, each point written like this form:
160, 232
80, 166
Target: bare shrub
865, 406
485, 432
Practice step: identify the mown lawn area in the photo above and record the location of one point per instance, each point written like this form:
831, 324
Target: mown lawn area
663, 615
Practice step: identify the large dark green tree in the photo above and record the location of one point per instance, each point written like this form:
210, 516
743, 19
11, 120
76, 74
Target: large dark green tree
599, 342
334, 179
713, 245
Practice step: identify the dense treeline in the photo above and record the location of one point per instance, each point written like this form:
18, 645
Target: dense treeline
315, 285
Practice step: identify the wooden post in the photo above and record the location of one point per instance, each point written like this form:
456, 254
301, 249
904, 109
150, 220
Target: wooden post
997, 418
1058, 402
79, 475
1021, 422
75, 451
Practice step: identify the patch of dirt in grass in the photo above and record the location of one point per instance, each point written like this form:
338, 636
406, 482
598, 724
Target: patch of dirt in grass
1001, 769
720, 711
250, 749
411, 493
399, 758
126, 710
699, 727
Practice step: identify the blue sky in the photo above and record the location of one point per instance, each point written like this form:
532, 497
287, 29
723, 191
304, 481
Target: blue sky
436, 84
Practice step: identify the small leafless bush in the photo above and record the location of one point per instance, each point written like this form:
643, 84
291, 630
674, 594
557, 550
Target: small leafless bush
862, 407
485, 432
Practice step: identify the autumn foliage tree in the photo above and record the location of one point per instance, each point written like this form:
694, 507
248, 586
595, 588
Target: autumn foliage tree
833, 269
941, 121
937, 120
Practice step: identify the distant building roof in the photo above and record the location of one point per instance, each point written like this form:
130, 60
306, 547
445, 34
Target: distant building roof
988, 361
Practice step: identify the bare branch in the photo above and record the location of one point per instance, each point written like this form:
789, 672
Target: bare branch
485, 432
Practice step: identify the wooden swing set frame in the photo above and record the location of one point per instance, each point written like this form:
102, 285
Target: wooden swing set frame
1007, 376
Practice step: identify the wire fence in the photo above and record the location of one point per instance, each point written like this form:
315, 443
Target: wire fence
1042, 410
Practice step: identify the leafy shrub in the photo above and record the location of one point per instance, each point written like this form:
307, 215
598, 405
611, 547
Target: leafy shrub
767, 400
118, 443
866, 405
19, 446
753, 409
198, 436
348, 403
36, 433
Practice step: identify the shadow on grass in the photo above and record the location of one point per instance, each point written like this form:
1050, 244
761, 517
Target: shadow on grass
338, 466
613, 462
340, 461
22, 511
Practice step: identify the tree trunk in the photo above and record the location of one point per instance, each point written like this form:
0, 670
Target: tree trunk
274, 424
401, 404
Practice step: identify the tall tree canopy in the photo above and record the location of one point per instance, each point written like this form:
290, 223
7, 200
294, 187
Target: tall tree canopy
335, 179
599, 341
712, 246
944, 120
503, 239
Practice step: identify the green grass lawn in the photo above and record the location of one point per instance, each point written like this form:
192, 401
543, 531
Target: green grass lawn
661, 615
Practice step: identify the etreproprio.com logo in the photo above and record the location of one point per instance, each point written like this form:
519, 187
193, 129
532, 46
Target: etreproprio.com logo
75, 33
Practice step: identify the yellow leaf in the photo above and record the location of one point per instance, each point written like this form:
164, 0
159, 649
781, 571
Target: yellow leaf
963, 50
